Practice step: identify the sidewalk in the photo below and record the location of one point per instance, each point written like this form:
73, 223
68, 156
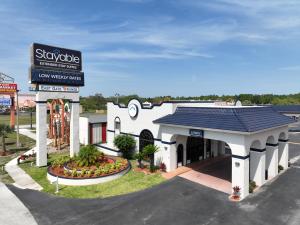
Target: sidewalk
12, 210
22, 179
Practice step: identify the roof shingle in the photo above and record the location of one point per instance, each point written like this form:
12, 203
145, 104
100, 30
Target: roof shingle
241, 119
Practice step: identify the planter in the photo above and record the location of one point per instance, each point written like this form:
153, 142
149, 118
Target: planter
81, 181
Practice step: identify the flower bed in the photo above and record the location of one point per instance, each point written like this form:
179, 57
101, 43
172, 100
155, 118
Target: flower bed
107, 166
89, 167
72, 174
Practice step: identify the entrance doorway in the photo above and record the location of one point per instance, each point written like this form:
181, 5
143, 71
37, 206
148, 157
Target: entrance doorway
180, 155
194, 149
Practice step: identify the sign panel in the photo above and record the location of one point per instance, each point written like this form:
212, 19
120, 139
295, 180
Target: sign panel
196, 133
5, 87
53, 88
5, 101
54, 57
40, 76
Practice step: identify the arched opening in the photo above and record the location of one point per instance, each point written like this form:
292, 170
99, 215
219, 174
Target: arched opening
282, 136
146, 138
210, 162
179, 155
194, 149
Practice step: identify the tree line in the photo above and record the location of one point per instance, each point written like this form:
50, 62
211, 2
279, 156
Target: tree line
98, 101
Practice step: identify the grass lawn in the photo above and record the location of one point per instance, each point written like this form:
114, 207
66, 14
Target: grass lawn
130, 182
26, 142
24, 119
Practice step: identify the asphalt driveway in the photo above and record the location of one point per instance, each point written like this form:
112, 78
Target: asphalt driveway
175, 202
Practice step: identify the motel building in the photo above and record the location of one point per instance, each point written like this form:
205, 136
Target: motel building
245, 143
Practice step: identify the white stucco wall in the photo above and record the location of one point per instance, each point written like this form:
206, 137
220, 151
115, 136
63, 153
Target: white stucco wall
84, 130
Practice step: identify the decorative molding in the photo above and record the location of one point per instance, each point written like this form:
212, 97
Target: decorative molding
112, 131
257, 150
272, 145
240, 157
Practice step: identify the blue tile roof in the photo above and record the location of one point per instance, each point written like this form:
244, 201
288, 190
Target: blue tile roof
244, 119
287, 108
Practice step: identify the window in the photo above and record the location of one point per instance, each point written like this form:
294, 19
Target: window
146, 138
117, 125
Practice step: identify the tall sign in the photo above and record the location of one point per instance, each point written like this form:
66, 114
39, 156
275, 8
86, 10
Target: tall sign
8, 88
55, 66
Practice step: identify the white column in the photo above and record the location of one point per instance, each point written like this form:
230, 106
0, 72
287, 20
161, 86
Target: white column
169, 151
74, 129
272, 160
240, 174
41, 133
258, 166
283, 153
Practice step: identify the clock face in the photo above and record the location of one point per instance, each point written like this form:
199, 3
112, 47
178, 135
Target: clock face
132, 110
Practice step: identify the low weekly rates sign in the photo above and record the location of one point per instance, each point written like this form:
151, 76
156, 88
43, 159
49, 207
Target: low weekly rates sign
57, 77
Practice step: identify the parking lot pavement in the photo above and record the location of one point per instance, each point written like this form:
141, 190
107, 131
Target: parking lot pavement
294, 145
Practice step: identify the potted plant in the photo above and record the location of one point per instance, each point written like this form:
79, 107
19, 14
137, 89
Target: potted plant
236, 193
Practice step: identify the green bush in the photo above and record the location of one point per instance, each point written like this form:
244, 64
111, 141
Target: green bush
59, 162
252, 186
126, 144
88, 155
280, 167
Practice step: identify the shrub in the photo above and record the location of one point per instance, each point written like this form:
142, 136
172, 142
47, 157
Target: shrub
59, 162
252, 186
125, 143
74, 173
89, 173
83, 172
88, 155
98, 172
153, 168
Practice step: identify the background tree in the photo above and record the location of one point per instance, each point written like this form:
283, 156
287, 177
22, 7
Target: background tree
4, 131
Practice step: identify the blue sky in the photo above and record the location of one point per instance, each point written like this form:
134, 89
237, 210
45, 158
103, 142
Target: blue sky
150, 48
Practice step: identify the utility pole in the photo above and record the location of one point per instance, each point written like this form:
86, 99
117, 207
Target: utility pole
18, 140
117, 96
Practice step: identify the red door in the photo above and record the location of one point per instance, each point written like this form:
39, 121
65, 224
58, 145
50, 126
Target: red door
103, 132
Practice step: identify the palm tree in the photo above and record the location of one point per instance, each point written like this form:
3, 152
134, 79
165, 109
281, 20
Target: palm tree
4, 130
149, 150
